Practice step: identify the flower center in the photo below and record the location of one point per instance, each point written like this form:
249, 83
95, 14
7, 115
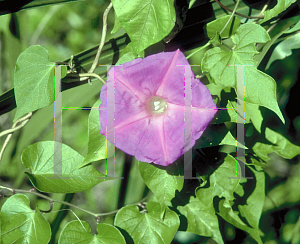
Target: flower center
157, 105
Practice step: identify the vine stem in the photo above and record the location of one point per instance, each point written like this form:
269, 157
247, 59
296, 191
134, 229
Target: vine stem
242, 15
231, 16
96, 215
15, 127
104, 30
91, 73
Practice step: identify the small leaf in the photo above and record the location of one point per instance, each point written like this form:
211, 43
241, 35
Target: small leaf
280, 7
21, 224
284, 48
97, 144
128, 54
80, 232
146, 22
39, 158
162, 184
214, 135
148, 227
217, 25
281, 146
33, 80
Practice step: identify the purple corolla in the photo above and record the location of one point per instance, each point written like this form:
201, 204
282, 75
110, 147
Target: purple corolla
154, 108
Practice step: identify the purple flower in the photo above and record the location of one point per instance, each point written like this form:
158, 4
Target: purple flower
154, 108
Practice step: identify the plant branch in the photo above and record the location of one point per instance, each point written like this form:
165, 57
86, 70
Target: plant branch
96, 215
242, 15
15, 127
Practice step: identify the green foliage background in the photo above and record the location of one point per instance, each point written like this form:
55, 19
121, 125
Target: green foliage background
67, 29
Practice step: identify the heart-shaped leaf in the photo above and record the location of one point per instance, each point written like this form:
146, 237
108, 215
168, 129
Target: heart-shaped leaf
80, 232
148, 227
21, 224
41, 160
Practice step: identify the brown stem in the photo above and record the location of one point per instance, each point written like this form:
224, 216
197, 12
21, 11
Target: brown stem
242, 15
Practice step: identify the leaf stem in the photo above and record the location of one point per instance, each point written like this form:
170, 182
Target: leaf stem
23, 120
198, 50
242, 15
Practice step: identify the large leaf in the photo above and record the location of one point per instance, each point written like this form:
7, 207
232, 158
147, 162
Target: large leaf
39, 158
280, 6
146, 22
97, 145
260, 88
251, 209
148, 227
227, 213
80, 232
217, 25
21, 224
160, 182
33, 80
201, 216
280, 145
284, 48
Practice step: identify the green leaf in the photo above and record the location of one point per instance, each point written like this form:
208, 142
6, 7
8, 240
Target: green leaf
284, 48
217, 25
80, 232
148, 227
227, 213
296, 233
146, 22
260, 88
201, 216
33, 80
281, 146
280, 7
296, 27
117, 25
21, 224
97, 143
128, 54
252, 210
253, 111
39, 158
160, 182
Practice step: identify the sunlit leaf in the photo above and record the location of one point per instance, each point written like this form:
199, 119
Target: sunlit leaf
80, 232
97, 145
160, 182
146, 22
34, 80
201, 216
280, 6
284, 48
217, 25
21, 224
260, 88
65, 177
148, 227
281, 146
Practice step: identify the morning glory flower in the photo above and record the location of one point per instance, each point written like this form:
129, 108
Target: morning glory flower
146, 104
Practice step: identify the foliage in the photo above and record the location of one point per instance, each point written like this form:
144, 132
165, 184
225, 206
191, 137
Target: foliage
225, 197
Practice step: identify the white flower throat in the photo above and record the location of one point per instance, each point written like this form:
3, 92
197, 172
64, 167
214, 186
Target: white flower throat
157, 105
